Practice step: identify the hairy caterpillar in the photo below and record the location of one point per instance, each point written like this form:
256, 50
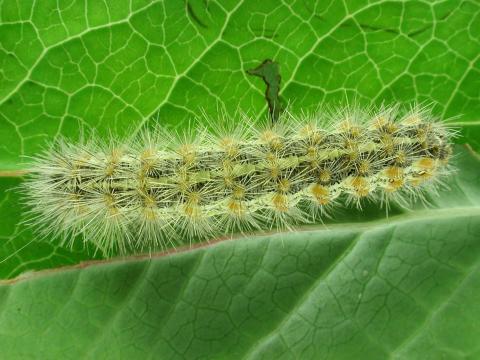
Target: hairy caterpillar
160, 187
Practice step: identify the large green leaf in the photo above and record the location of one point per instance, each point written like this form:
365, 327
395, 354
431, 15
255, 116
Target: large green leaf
112, 64
109, 66
403, 285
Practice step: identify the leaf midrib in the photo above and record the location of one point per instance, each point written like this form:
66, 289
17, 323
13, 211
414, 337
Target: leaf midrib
412, 216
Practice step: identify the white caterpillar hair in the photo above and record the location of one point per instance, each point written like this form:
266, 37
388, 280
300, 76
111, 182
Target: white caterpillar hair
162, 187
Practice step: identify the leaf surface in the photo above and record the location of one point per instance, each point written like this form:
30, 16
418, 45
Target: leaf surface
402, 287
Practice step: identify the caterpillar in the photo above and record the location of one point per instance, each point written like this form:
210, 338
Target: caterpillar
161, 187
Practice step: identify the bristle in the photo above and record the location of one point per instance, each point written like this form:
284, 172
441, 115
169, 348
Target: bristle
162, 188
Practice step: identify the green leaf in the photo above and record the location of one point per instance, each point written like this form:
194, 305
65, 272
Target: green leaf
116, 68
405, 287
111, 65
